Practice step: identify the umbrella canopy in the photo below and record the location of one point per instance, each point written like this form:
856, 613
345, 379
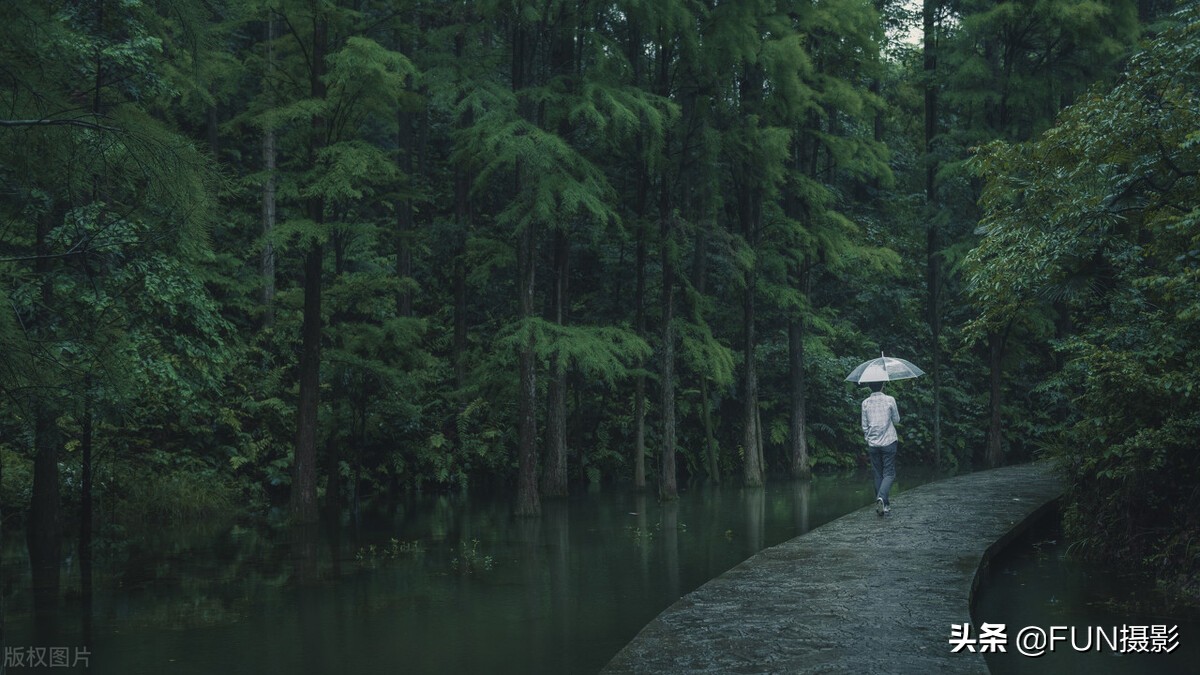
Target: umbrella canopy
884, 369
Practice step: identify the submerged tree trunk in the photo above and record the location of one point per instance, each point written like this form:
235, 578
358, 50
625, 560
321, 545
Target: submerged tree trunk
751, 435
800, 464
303, 507
699, 281
339, 396
639, 385
528, 503
554, 480
636, 54
749, 200
668, 488
799, 273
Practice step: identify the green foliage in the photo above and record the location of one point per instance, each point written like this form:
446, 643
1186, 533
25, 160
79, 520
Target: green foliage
1109, 240
1014, 62
703, 353
17, 480
604, 352
470, 561
770, 151
161, 490
393, 550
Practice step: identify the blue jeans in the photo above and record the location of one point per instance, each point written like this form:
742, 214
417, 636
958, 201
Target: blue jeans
883, 465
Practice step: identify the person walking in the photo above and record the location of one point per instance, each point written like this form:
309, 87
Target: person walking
879, 418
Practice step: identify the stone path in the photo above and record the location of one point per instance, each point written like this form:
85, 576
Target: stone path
861, 594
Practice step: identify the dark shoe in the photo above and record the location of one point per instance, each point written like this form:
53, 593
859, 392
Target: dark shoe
879, 507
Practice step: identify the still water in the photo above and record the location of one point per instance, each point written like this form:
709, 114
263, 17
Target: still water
455, 583
1035, 582
465, 586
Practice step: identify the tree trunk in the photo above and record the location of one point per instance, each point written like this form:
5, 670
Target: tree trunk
639, 386
304, 470
461, 212
668, 488
86, 508
412, 136
462, 221
44, 529
3, 634
933, 276
333, 461
528, 503
554, 480
303, 507
267, 262
699, 282
995, 434
637, 55
339, 397
404, 213
712, 460
749, 198
800, 465
751, 436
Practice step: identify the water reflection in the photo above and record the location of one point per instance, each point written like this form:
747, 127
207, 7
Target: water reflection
801, 490
434, 584
755, 500
1035, 583
670, 530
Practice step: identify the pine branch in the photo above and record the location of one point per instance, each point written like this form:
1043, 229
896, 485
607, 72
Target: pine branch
74, 122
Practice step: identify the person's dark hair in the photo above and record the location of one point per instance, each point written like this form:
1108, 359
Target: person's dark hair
875, 386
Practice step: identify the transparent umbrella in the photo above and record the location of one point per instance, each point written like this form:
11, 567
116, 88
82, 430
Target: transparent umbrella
884, 369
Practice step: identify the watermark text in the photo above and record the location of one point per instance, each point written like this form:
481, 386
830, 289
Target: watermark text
1037, 640
46, 657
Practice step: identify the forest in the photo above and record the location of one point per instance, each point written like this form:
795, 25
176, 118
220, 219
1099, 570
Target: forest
307, 254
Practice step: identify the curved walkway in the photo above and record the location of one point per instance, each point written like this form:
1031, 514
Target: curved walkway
861, 594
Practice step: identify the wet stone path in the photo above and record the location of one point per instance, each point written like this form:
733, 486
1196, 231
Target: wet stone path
862, 594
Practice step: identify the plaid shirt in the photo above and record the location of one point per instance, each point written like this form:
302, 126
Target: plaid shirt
879, 415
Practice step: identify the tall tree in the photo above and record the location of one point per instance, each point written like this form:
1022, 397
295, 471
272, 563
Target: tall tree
834, 150
330, 79
1015, 65
659, 41
525, 143
931, 11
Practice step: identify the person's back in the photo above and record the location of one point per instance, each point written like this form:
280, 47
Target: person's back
879, 417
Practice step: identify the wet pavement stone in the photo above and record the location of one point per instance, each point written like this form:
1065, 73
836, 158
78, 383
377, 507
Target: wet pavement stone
862, 594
